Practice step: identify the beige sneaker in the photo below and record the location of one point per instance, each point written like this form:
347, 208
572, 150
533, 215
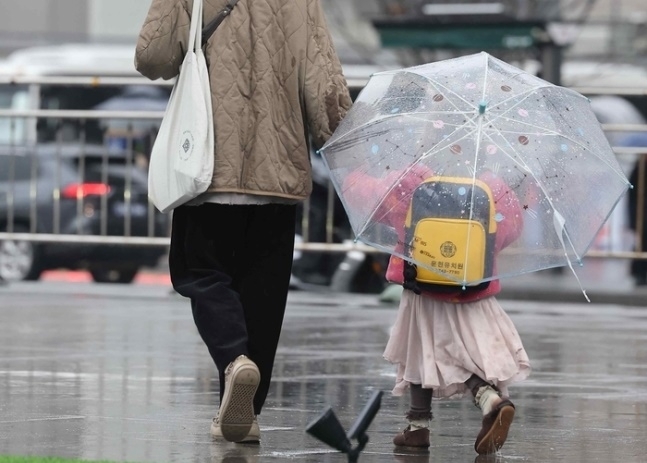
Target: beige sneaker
236, 414
252, 437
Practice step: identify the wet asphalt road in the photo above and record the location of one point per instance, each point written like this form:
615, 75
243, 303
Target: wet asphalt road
119, 373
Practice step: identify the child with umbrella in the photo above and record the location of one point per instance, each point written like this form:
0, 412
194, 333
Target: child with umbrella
448, 343
504, 147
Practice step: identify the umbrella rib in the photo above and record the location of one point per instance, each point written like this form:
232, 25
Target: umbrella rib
525, 97
412, 114
422, 156
447, 89
450, 91
479, 131
485, 76
435, 149
518, 159
434, 83
355, 129
377, 206
469, 132
386, 117
437, 84
549, 132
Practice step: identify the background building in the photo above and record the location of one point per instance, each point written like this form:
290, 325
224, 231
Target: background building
597, 29
43, 22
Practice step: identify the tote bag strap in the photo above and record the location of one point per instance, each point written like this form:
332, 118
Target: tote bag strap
196, 25
210, 28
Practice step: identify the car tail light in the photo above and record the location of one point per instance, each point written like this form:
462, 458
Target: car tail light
81, 190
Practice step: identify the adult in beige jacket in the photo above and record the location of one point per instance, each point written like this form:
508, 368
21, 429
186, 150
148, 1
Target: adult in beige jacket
276, 81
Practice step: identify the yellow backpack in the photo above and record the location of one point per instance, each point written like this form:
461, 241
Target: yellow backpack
443, 232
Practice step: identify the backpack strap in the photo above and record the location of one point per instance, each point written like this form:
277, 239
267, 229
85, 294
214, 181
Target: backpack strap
210, 28
409, 273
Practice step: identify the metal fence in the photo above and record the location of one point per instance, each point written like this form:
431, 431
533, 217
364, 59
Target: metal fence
21, 129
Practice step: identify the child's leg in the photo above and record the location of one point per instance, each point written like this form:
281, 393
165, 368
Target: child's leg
416, 434
486, 396
497, 415
419, 413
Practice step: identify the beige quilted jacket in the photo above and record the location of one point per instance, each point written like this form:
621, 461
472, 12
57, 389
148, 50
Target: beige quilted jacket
275, 77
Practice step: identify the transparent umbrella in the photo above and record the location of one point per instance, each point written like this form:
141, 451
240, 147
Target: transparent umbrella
553, 178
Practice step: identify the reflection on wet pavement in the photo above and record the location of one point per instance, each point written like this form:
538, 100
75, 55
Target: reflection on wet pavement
119, 373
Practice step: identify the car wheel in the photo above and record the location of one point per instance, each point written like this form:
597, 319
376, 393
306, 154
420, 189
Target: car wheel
119, 275
19, 260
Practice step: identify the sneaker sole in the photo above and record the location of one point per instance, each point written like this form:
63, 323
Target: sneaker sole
237, 414
216, 433
496, 437
249, 441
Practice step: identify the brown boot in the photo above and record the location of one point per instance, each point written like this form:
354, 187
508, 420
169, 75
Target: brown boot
418, 439
494, 428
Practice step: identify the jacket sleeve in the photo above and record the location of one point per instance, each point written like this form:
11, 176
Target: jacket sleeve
326, 95
163, 39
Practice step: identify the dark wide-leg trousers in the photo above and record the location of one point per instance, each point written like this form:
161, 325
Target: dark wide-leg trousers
234, 263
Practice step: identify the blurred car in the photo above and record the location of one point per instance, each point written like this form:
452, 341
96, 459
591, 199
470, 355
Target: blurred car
118, 132
76, 189
350, 271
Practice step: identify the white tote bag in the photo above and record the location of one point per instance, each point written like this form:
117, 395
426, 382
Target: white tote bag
182, 158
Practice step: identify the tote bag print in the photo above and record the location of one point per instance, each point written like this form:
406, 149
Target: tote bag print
182, 157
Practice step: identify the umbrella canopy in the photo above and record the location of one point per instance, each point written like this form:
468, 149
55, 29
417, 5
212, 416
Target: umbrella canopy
476, 130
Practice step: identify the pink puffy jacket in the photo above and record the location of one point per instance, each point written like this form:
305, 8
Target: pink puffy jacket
392, 211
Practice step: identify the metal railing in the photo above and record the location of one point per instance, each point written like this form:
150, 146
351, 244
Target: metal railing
331, 243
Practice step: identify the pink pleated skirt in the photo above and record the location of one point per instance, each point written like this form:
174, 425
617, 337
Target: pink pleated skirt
441, 344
